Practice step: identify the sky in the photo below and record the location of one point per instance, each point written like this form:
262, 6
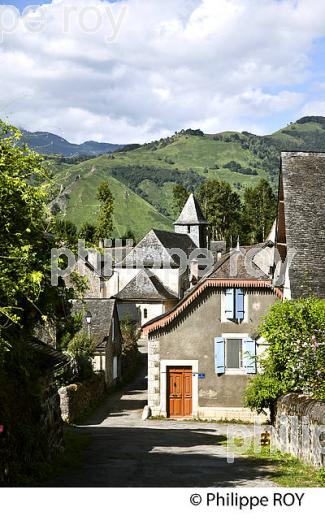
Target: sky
138, 70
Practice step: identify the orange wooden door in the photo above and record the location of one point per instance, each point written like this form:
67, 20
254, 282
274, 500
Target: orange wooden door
179, 391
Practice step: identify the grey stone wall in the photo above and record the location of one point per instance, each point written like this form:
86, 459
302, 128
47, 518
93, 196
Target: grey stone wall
300, 428
33, 429
76, 399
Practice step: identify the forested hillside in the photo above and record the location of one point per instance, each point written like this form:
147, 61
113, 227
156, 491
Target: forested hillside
142, 177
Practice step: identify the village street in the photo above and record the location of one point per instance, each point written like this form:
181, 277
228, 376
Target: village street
126, 451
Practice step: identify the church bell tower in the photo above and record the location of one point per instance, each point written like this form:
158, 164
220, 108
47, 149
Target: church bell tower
193, 223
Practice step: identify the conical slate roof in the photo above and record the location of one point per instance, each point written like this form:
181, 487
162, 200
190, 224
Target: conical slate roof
191, 213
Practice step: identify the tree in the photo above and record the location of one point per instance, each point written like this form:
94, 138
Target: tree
24, 264
105, 216
259, 212
180, 196
130, 353
88, 233
295, 358
66, 232
221, 207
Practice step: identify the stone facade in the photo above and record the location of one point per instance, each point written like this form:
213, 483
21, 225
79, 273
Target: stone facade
189, 341
300, 428
77, 399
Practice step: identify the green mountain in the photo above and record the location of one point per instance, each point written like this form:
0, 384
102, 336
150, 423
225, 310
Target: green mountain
46, 143
142, 177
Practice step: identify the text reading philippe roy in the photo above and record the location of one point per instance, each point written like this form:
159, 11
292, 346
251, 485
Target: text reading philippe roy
244, 501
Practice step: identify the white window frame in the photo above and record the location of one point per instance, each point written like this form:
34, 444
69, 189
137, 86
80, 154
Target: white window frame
224, 318
225, 336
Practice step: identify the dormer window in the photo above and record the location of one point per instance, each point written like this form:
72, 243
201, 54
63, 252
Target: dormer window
235, 305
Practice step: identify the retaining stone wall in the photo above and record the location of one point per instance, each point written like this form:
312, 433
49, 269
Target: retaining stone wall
76, 399
300, 428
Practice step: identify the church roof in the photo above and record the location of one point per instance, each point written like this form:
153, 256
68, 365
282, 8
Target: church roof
191, 213
155, 248
145, 286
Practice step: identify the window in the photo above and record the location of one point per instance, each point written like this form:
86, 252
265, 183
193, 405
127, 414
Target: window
145, 313
235, 304
189, 229
234, 354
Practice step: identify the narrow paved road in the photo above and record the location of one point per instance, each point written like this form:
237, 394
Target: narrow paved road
128, 452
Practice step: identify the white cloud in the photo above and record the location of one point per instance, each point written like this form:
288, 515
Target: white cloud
213, 64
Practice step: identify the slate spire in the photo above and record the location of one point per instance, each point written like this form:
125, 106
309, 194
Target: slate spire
193, 223
191, 213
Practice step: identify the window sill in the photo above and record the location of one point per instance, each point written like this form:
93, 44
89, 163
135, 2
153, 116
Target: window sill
235, 371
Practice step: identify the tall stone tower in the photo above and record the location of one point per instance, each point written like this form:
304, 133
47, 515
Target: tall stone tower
193, 223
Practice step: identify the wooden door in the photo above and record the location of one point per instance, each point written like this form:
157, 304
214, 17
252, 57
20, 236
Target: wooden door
179, 391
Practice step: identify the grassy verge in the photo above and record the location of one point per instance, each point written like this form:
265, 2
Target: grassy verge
285, 470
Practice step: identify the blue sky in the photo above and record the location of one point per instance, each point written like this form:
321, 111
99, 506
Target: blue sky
21, 4
138, 70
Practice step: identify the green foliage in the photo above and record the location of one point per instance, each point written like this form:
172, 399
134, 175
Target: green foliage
105, 216
87, 233
24, 259
222, 208
295, 359
180, 196
259, 212
66, 232
81, 350
130, 353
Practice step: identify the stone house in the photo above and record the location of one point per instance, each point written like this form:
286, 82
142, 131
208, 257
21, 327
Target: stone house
104, 328
202, 352
300, 229
150, 278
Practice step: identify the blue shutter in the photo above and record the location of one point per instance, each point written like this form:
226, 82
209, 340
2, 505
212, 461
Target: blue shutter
219, 355
239, 304
230, 304
249, 355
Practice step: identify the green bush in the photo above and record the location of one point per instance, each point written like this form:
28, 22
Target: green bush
295, 358
81, 350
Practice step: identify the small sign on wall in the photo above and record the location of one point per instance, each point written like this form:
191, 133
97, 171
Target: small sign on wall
201, 376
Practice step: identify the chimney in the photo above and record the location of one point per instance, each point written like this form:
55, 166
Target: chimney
194, 272
238, 244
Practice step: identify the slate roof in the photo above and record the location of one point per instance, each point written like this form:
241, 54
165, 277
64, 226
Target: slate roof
152, 250
220, 276
145, 286
303, 193
48, 357
102, 311
191, 213
238, 265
